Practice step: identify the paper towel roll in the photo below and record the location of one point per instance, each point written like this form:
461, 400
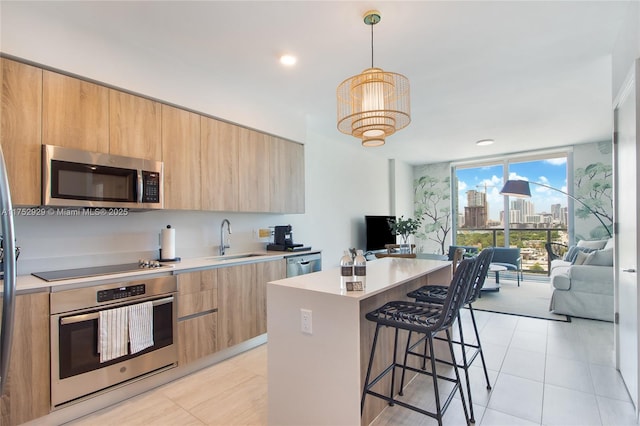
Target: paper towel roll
168, 243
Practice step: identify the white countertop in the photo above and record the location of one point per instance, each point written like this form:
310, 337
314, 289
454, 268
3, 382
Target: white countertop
382, 274
30, 283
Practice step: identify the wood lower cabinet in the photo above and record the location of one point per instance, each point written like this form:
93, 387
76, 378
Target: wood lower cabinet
197, 337
27, 393
238, 305
242, 300
265, 272
197, 315
135, 126
75, 113
21, 129
197, 292
181, 156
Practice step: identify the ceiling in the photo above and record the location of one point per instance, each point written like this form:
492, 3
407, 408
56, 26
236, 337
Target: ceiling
531, 75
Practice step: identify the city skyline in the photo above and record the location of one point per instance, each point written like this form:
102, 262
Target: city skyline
489, 179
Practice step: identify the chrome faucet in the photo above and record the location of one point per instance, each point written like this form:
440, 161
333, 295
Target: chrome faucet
224, 245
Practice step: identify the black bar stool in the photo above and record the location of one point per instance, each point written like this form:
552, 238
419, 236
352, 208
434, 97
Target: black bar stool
436, 294
427, 319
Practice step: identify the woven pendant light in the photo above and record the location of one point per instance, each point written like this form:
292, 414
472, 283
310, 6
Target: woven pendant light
373, 104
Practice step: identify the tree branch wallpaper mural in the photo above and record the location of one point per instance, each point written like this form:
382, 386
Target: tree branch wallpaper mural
432, 195
593, 185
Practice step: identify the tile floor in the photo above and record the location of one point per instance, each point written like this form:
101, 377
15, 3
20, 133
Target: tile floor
542, 373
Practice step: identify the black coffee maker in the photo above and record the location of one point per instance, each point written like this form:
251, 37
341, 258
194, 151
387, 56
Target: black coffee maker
283, 240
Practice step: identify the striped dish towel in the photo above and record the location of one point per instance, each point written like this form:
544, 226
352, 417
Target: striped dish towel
113, 330
140, 326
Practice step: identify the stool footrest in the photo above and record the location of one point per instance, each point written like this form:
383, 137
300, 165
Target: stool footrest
393, 400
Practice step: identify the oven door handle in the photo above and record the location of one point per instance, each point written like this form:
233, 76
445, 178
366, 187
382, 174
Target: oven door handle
95, 315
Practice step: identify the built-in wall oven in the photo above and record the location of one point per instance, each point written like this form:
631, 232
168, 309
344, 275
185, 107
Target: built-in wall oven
76, 367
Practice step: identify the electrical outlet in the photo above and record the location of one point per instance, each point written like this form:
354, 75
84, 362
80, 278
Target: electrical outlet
264, 233
306, 325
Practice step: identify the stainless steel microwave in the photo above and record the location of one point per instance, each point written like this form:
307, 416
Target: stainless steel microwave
77, 178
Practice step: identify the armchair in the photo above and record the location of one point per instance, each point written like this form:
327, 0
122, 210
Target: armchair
509, 258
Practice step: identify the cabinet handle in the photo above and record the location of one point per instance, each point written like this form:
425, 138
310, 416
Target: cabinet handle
629, 270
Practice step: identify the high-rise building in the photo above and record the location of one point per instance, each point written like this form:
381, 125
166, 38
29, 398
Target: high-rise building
475, 217
564, 216
524, 209
476, 212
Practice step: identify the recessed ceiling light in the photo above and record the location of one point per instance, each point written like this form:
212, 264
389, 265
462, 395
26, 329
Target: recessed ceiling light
288, 60
485, 142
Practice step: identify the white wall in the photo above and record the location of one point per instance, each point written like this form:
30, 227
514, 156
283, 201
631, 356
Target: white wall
344, 182
627, 48
401, 192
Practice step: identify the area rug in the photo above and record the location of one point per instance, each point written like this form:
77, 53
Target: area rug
531, 299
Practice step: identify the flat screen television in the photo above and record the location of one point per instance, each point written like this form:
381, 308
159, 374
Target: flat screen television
378, 230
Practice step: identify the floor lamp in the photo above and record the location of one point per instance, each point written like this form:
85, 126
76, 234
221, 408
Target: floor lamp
520, 188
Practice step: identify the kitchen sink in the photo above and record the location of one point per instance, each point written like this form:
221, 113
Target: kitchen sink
234, 256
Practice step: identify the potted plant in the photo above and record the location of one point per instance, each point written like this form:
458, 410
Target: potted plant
404, 228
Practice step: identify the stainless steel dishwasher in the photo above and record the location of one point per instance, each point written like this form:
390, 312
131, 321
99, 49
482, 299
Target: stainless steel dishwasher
303, 264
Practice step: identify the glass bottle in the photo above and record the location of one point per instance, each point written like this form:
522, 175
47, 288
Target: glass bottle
360, 268
346, 269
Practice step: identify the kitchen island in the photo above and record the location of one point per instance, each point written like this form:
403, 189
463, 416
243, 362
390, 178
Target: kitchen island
315, 376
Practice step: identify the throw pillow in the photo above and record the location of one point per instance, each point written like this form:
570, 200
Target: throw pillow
581, 257
573, 252
570, 255
596, 245
600, 258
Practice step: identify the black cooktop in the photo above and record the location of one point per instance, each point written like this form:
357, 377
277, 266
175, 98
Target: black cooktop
93, 271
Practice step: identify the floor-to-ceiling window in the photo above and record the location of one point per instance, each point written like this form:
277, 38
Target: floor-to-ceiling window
485, 218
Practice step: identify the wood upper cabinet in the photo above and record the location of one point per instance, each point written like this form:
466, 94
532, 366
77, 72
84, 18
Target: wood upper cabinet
219, 162
181, 156
254, 171
135, 126
287, 176
75, 113
208, 164
20, 130
27, 393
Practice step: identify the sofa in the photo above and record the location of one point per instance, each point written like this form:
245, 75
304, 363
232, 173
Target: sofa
582, 281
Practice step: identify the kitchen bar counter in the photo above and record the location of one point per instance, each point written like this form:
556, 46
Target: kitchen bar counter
316, 378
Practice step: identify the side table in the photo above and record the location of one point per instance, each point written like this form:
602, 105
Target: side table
494, 286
